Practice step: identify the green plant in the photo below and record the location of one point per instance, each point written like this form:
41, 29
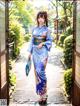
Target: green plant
62, 37
12, 78
69, 31
68, 81
16, 35
68, 50
27, 37
12, 75
16, 52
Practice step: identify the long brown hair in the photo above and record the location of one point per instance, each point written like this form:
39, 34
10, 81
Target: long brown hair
42, 14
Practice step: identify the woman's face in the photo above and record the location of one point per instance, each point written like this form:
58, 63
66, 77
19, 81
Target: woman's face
41, 20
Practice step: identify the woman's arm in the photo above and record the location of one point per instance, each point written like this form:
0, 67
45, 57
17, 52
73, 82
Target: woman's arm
49, 39
48, 42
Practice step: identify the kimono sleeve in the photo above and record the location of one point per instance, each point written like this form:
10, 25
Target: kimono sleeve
49, 39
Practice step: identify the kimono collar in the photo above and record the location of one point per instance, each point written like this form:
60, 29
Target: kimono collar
41, 26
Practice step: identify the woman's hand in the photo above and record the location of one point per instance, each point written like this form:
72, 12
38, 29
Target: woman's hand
29, 55
40, 45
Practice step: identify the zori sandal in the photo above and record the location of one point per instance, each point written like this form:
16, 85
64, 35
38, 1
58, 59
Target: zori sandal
40, 101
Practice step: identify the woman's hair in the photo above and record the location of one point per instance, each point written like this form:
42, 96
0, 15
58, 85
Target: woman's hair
42, 14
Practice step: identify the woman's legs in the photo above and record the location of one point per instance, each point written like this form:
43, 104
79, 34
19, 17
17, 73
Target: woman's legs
36, 80
44, 94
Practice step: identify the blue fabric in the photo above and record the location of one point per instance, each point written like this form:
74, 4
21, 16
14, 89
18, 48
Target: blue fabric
38, 31
28, 67
40, 55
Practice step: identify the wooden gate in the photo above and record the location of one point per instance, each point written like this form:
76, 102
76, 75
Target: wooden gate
4, 88
76, 61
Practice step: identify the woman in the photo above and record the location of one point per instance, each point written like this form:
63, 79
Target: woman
40, 44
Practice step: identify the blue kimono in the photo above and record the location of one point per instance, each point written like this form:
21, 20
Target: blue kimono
40, 55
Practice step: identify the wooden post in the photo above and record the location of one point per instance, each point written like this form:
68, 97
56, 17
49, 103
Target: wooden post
7, 46
4, 75
76, 57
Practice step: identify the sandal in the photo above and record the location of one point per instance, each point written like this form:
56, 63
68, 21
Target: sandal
40, 101
44, 101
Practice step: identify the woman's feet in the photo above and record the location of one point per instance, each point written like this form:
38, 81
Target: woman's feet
43, 101
40, 101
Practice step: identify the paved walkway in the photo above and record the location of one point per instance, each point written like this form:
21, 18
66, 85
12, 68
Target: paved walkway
25, 94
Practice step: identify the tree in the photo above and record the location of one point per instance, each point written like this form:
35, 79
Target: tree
55, 4
67, 8
21, 10
66, 13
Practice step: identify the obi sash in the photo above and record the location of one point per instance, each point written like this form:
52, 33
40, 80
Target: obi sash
38, 40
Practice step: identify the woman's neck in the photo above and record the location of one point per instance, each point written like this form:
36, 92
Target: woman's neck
41, 25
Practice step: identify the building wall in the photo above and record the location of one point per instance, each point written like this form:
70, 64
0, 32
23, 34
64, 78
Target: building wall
3, 76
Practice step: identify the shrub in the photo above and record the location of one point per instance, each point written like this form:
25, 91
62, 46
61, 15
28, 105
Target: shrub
68, 81
16, 35
27, 37
16, 52
69, 31
12, 79
68, 50
62, 37
12, 75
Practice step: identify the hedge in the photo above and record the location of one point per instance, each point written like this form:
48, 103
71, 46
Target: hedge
68, 81
68, 51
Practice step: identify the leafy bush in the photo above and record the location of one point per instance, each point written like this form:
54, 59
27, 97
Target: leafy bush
16, 52
16, 35
68, 50
62, 37
12, 78
69, 31
12, 75
68, 81
27, 37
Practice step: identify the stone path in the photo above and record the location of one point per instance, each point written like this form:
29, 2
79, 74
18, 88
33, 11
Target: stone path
25, 94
